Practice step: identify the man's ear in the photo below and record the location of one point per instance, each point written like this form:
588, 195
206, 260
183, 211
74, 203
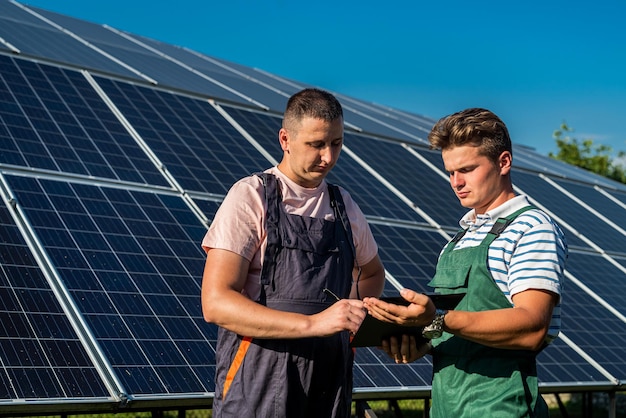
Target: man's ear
505, 162
283, 139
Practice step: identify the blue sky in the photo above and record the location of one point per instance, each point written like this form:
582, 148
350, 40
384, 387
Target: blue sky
534, 63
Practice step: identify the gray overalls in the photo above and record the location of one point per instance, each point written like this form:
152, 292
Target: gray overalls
470, 379
307, 377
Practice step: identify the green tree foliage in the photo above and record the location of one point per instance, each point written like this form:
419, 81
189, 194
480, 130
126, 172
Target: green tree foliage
585, 154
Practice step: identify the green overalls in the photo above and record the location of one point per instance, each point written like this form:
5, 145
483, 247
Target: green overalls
471, 379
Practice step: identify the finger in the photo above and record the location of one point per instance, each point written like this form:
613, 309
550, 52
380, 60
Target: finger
412, 296
355, 303
405, 348
395, 349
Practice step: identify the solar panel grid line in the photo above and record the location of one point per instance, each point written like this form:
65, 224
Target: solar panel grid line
610, 196
377, 121
186, 67
10, 46
65, 300
583, 204
132, 132
408, 175
237, 77
589, 359
561, 222
237, 72
390, 114
601, 301
245, 133
391, 187
86, 43
597, 233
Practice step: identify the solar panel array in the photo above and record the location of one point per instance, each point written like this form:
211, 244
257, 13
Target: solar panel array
115, 153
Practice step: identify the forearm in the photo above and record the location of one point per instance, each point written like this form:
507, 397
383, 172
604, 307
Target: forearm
237, 313
231, 310
511, 328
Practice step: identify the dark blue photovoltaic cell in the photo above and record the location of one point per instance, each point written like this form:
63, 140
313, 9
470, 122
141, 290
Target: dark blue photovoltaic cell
592, 327
33, 36
52, 119
373, 198
41, 355
531, 160
595, 229
560, 363
619, 196
171, 74
425, 188
374, 369
142, 60
601, 276
224, 73
407, 126
605, 206
197, 145
409, 255
132, 262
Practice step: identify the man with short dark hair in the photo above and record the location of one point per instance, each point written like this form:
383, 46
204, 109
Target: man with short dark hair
288, 258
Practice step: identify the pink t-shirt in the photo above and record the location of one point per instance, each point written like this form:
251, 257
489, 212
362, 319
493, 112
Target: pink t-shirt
239, 227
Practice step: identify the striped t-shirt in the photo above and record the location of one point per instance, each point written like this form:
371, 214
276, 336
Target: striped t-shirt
529, 254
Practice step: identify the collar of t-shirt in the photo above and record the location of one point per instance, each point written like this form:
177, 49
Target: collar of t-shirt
472, 222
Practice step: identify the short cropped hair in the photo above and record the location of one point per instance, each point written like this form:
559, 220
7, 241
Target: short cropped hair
313, 103
475, 127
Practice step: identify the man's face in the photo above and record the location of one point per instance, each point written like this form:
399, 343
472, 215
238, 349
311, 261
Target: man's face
477, 181
311, 149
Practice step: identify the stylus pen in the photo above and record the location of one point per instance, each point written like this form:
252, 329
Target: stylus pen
330, 292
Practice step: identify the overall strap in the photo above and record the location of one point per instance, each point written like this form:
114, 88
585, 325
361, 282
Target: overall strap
501, 223
272, 202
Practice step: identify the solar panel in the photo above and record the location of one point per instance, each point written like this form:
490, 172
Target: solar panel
227, 74
41, 355
530, 160
35, 37
132, 263
605, 207
53, 120
594, 328
597, 230
560, 363
411, 177
197, 145
617, 195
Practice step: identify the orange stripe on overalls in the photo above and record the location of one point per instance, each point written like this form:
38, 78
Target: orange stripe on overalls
234, 367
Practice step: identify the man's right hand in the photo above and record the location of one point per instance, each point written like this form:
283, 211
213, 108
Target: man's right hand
406, 349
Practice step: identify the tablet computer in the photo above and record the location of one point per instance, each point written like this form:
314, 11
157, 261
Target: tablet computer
373, 331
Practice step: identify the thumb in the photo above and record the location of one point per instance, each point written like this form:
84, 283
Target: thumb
413, 297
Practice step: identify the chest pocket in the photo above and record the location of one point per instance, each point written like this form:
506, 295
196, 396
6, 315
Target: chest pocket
308, 234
